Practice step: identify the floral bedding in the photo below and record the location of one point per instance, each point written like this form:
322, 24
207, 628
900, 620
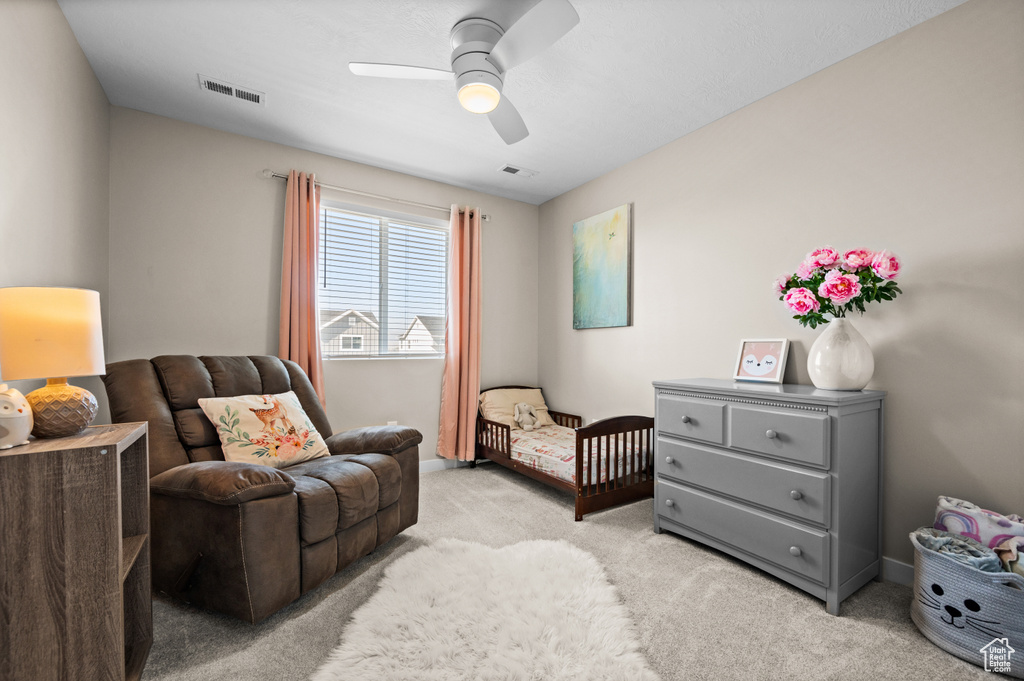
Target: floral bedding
552, 450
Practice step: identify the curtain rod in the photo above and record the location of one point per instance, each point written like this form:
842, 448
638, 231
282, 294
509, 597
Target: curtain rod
268, 173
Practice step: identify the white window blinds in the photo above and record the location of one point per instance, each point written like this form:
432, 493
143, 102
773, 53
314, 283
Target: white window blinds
382, 286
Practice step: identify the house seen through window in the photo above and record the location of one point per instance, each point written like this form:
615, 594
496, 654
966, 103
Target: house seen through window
382, 285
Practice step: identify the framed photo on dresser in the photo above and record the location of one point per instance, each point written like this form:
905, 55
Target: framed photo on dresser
762, 359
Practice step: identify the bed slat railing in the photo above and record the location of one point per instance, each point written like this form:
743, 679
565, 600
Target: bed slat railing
607, 462
566, 420
493, 435
631, 455
614, 454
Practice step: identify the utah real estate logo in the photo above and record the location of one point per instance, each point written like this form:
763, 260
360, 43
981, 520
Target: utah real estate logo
997, 655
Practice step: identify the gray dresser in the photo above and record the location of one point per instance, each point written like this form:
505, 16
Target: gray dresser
785, 477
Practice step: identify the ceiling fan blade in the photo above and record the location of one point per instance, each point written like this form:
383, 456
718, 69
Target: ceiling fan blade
398, 71
507, 122
538, 29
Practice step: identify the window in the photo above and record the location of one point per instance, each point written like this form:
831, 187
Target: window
382, 285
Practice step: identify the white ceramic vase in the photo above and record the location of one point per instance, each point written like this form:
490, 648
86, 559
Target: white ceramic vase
840, 359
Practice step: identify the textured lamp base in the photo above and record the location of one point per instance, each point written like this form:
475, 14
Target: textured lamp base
60, 409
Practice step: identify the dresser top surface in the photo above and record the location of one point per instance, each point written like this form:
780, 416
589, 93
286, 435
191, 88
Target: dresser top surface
789, 392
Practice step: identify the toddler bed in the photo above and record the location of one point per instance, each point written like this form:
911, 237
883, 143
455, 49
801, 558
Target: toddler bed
604, 464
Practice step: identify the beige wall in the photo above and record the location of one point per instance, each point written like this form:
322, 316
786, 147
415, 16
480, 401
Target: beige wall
195, 252
916, 145
54, 177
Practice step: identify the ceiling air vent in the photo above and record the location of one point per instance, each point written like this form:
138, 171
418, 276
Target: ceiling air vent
224, 88
517, 171
254, 97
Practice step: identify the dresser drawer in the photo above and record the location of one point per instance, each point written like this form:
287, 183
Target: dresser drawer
801, 550
802, 437
804, 494
687, 417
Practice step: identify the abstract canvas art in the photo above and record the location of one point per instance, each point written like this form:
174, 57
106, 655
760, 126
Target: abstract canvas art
601, 270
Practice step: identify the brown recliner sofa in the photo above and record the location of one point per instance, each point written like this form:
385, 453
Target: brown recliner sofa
245, 539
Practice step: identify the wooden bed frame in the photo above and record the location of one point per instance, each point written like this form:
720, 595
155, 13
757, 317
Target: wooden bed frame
599, 446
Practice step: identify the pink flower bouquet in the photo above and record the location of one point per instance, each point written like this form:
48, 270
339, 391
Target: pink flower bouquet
829, 283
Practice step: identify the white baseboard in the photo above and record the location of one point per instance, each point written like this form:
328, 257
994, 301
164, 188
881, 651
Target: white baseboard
897, 571
439, 464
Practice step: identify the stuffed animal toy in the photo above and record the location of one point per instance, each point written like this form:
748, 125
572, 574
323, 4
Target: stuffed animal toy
526, 416
15, 418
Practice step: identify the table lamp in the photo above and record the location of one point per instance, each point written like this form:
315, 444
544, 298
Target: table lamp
53, 333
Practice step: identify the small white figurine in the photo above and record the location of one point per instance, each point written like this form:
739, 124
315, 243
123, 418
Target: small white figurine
15, 418
526, 416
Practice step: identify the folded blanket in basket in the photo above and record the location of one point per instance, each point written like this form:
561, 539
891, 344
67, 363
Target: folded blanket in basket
959, 548
1009, 553
987, 527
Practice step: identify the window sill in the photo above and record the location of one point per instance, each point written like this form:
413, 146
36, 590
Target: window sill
386, 358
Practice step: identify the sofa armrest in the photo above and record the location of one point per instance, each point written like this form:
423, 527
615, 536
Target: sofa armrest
227, 483
378, 439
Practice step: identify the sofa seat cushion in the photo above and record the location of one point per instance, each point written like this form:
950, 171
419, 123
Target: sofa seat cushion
334, 494
388, 473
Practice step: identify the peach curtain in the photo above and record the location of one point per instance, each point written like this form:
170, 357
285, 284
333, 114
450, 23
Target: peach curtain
460, 387
300, 328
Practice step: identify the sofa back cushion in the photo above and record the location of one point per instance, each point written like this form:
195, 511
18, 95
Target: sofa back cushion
166, 390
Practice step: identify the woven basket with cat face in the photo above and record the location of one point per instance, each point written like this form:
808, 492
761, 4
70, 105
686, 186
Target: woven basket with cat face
977, 616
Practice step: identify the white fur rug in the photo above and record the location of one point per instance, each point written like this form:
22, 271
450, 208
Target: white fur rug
538, 610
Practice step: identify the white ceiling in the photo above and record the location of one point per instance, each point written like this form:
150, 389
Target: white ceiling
632, 76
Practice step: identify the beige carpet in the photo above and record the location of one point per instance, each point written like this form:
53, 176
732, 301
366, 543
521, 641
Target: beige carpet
699, 614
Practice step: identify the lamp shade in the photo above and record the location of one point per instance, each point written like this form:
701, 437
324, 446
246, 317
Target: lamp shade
48, 332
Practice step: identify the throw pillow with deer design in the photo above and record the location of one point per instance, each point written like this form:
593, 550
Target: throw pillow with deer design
272, 430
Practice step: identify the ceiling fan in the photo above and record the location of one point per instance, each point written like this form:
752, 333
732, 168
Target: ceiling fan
481, 54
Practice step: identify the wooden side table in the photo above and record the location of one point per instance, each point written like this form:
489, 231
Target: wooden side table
74, 556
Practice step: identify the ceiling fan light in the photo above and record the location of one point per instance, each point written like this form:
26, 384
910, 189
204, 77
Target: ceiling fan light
479, 98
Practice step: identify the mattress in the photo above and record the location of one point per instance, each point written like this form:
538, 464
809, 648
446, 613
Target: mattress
552, 450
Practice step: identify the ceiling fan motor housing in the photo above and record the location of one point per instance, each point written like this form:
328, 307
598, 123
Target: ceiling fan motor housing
473, 68
472, 40
474, 35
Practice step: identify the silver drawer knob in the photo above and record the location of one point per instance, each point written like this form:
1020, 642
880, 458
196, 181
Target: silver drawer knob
771, 434
669, 502
685, 419
669, 460
795, 550
796, 494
